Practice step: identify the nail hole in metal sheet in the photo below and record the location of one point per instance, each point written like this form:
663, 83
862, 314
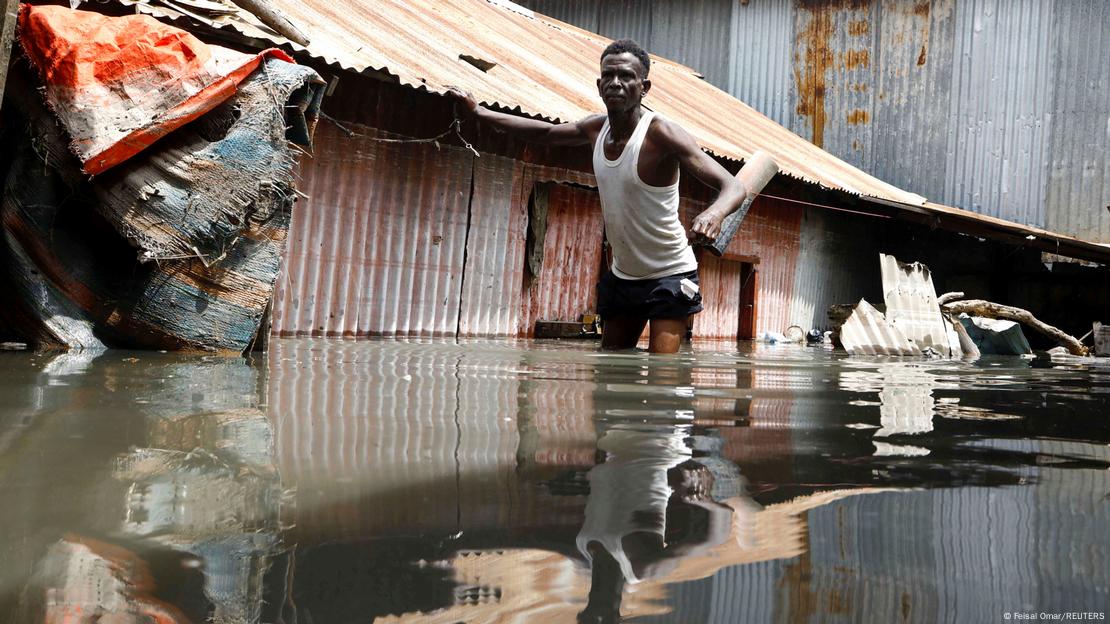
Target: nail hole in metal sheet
481, 64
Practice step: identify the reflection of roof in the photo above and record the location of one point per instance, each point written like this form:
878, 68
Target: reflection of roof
539, 586
540, 67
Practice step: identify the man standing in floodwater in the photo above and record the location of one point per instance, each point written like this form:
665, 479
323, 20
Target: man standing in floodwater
637, 156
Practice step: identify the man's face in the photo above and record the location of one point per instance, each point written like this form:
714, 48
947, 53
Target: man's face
621, 85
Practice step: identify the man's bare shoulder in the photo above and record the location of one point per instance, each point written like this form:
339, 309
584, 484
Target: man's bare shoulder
666, 129
669, 135
592, 122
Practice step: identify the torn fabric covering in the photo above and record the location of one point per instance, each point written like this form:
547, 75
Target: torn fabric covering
177, 248
118, 84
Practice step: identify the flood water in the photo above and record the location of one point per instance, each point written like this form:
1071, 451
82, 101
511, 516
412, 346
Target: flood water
500, 481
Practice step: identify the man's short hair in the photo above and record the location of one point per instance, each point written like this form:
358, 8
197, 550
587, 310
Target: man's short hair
621, 46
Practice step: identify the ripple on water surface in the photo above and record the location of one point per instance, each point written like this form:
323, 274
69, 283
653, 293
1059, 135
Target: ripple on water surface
497, 481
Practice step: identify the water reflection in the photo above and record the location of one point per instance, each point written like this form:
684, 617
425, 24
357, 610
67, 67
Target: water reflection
494, 481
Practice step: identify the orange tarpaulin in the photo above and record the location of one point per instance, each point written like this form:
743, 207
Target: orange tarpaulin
118, 84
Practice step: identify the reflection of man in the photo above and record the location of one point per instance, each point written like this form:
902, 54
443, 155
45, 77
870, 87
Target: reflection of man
649, 506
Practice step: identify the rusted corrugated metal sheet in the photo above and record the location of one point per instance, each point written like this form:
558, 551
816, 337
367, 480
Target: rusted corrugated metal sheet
769, 233
1078, 195
379, 250
913, 58
494, 249
720, 281
567, 284
541, 67
994, 107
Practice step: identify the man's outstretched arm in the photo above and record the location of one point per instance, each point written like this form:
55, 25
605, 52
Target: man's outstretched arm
702, 166
533, 130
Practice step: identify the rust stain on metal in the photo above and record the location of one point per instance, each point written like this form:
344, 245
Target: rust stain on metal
858, 116
859, 28
811, 63
857, 59
921, 11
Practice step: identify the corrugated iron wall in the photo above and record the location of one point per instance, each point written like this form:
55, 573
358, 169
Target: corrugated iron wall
838, 262
1079, 169
567, 284
664, 28
379, 247
411, 239
770, 233
720, 281
994, 106
494, 249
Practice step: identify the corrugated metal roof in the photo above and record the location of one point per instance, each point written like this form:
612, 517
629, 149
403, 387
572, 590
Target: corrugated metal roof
543, 67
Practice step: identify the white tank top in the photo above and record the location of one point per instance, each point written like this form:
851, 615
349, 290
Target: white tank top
641, 221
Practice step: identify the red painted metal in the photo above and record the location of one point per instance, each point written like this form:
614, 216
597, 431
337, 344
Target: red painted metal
720, 281
567, 284
769, 235
379, 247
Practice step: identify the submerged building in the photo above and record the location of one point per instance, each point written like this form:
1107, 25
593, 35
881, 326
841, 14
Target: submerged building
413, 223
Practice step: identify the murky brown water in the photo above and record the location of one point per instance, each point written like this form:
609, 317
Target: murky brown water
531, 482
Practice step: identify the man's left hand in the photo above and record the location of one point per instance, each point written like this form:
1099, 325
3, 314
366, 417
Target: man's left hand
707, 225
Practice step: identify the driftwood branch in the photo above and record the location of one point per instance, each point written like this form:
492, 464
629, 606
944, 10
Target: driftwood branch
268, 15
988, 309
947, 297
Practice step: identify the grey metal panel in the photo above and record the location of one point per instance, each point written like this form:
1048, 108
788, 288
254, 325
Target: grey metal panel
760, 52
626, 19
913, 64
695, 33
1001, 103
581, 13
742, 593
494, 250
1079, 172
836, 264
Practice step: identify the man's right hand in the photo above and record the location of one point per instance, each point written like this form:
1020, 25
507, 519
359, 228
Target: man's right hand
466, 102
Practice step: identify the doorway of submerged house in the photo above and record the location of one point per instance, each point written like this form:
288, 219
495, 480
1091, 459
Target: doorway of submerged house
563, 255
728, 287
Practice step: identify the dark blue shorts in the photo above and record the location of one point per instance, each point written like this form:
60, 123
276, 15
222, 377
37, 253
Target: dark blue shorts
660, 298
